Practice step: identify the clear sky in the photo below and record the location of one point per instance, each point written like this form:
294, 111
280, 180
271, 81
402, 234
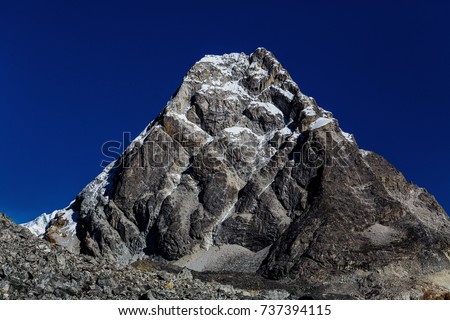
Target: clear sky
74, 74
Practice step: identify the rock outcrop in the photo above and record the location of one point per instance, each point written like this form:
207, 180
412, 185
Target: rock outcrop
241, 164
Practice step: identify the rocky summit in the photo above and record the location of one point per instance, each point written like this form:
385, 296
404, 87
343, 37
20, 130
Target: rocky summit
242, 174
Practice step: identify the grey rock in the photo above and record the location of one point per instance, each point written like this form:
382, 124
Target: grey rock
5, 271
164, 275
61, 261
185, 274
228, 289
106, 282
4, 287
277, 294
31, 258
147, 296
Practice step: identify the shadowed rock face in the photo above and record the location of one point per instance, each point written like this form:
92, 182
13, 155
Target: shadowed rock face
239, 157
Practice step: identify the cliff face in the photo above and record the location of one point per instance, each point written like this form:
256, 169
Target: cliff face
242, 172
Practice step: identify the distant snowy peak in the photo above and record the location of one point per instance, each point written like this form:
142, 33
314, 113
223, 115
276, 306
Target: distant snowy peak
39, 225
58, 227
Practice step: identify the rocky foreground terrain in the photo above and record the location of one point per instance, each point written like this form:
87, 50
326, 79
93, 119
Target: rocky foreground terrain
32, 268
245, 179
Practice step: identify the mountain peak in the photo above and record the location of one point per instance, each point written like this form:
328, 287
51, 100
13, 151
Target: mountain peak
243, 172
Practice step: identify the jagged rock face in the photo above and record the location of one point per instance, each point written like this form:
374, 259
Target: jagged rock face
241, 158
362, 217
203, 173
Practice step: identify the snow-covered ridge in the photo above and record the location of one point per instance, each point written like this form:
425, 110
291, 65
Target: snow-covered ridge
39, 225
97, 187
348, 136
224, 64
364, 153
218, 59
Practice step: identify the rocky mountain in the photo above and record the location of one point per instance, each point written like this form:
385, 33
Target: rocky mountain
241, 172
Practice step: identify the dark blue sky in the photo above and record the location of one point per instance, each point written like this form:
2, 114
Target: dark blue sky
74, 74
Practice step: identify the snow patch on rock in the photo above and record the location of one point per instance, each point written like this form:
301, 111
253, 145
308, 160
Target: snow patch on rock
38, 225
309, 111
348, 136
270, 108
320, 122
364, 153
238, 130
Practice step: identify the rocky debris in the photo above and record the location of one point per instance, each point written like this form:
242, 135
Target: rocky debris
53, 228
32, 268
430, 295
241, 162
